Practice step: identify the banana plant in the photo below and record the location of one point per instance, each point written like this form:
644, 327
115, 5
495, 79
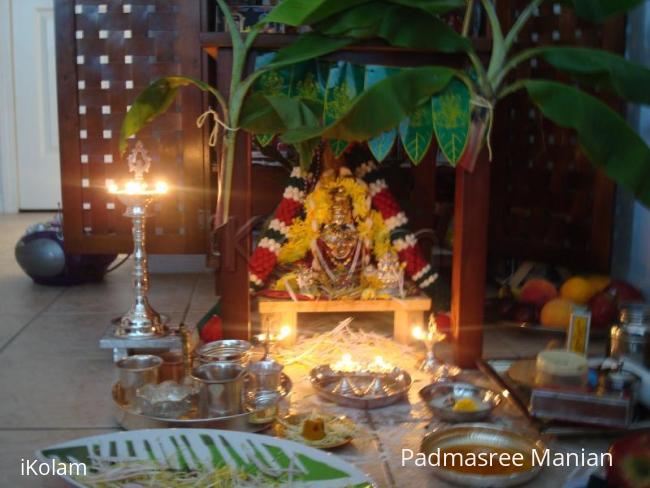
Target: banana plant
160, 95
297, 119
604, 136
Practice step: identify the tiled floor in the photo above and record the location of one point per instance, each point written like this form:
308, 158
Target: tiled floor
54, 379
53, 376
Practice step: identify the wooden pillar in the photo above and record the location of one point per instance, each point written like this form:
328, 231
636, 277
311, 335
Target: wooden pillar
471, 212
235, 238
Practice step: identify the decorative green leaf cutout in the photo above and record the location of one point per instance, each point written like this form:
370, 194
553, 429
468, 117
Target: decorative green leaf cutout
344, 83
416, 132
318, 470
217, 458
381, 145
182, 462
452, 117
76, 454
269, 83
299, 80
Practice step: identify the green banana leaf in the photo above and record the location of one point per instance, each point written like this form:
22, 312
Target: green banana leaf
452, 116
396, 24
297, 80
154, 101
363, 120
307, 47
628, 80
601, 10
304, 12
381, 145
276, 114
607, 140
416, 132
344, 83
434, 7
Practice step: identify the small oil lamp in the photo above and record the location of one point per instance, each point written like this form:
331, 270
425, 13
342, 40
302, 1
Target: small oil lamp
141, 321
430, 338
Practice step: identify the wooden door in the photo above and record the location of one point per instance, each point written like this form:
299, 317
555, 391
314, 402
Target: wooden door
107, 52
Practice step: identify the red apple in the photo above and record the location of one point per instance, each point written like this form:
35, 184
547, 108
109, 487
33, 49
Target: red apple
625, 292
604, 309
537, 292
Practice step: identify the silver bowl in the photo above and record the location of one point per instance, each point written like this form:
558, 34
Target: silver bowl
441, 398
484, 438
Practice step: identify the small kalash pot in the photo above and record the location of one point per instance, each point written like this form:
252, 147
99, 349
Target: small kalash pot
631, 339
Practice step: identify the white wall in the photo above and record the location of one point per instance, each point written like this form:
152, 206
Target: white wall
631, 257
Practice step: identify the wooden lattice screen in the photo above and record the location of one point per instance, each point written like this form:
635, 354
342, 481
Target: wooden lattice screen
548, 202
107, 51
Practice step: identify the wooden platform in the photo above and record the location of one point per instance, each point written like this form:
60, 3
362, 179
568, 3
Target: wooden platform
408, 312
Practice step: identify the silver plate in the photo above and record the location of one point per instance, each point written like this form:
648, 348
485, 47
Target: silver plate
392, 387
441, 398
487, 436
244, 421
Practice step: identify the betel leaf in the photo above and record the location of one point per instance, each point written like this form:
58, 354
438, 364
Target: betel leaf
606, 139
344, 83
601, 10
416, 132
154, 101
602, 69
305, 12
452, 117
396, 24
363, 120
381, 145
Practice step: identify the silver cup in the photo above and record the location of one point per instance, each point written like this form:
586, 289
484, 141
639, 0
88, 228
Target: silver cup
136, 371
220, 388
263, 389
265, 375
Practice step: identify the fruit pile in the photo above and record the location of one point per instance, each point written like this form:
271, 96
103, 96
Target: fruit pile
539, 301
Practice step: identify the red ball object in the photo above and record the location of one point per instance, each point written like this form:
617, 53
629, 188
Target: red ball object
212, 330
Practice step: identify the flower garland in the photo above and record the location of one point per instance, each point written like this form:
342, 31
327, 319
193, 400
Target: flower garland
265, 256
403, 240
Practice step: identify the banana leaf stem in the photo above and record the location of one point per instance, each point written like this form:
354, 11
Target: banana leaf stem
467, 20
514, 62
516, 86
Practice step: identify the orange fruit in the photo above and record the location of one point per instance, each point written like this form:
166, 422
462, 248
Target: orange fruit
599, 282
577, 289
556, 313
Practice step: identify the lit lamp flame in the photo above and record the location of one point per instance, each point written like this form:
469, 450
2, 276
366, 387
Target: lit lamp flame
380, 366
138, 187
418, 333
285, 332
347, 365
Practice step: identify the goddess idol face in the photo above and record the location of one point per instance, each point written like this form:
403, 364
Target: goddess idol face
340, 235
